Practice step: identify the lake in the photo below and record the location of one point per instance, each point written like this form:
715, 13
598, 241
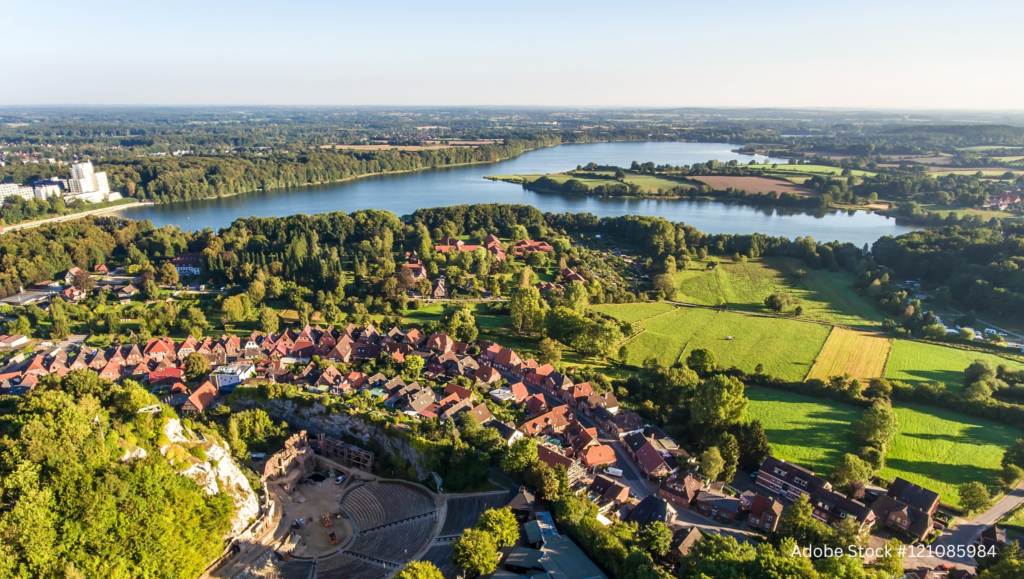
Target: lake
406, 192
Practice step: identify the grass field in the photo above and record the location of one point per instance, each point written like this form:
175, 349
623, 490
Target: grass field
825, 296
786, 348
918, 362
634, 312
753, 185
985, 173
862, 355
961, 212
818, 169
934, 448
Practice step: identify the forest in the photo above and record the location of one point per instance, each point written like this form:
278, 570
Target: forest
71, 508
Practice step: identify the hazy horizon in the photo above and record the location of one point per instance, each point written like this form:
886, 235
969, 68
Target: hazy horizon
871, 56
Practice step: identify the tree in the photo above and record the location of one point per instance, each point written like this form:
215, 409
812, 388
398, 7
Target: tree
797, 522
1015, 454
656, 538
550, 352
701, 361
150, 290
890, 561
778, 301
974, 497
269, 321
196, 365
729, 448
850, 470
233, 309
878, 425
711, 463
476, 552
83, 281
501, 524
462, 325
520, 456
665, 284
167, 274
718, 404
257, 291
60, 328
113, 322
754, 445
638, 565
412, 367
21, 326
577, 298
419, 570
523, 308
599, 338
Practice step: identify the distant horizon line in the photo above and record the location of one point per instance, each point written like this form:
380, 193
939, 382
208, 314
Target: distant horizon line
530, 107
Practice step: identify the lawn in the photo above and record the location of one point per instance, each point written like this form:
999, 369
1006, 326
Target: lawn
862, 355
786, 348
825, 296
918, 362
1014, 524
935, 448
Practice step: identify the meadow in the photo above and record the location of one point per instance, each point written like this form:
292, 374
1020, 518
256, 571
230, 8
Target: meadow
935, 448
817, 169
824, 296
862, 355
786, 348
634, 312
919, 362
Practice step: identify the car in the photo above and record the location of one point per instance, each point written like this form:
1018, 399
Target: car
339, 480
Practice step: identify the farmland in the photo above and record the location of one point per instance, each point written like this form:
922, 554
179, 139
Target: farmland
823, 295
786, 348
918, 362
862, 355
934, 448
647, 183
817, 169
634, 312
755, 184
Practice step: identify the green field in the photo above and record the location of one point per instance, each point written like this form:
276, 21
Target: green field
786, 348
810, 432
825, 296
918, 362
983, 214
818, 169
634, 312
935, 448
649, 183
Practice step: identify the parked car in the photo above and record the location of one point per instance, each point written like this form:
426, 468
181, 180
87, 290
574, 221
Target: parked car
339, 480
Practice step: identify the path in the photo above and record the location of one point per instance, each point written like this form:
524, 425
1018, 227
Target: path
58, 219
967, 532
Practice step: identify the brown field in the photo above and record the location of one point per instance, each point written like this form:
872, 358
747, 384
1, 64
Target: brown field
755, 184
862, 355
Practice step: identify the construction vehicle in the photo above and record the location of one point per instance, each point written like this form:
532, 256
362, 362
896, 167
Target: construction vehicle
333, 537
326, 520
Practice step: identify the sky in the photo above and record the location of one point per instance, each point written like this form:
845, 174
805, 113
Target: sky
830, 54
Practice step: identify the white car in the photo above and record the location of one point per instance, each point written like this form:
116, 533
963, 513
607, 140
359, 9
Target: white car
339, 480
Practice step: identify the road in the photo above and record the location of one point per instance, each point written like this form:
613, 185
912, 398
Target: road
967, 532
31, 224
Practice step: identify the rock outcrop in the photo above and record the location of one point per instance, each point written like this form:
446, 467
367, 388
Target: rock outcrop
216, 474
316, 419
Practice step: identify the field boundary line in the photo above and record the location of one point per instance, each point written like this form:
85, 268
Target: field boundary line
818, 355
623, 342
888, 356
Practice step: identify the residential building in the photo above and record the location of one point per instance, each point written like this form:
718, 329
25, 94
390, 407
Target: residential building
682, 541
718, 505
15, 190
681, 488
608, 493
651, 509
831, 508
764, 513
228, 377
188, 264
788, 479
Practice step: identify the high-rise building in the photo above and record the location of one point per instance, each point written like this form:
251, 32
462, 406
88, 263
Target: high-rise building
86, 185
14, 189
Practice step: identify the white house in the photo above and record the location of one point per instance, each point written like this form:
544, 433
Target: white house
231, 375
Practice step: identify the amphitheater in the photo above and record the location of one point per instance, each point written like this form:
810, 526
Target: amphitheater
392, 523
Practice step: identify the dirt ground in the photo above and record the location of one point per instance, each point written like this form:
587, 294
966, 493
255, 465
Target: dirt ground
755, 184
309, 501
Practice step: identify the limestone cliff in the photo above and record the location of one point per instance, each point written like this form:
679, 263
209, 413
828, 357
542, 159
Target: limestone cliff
316, 420
216, 473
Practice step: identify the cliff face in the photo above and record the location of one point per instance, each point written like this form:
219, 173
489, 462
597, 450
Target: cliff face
316, 420
218, 473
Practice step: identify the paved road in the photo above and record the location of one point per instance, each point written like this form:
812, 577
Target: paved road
967, 532
31, 224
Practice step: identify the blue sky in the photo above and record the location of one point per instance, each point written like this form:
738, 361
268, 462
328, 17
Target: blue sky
865, 54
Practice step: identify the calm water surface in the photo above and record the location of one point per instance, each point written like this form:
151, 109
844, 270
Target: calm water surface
404, 193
